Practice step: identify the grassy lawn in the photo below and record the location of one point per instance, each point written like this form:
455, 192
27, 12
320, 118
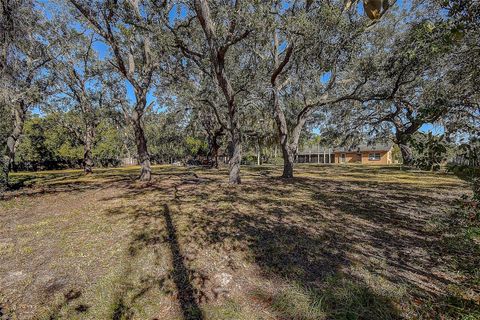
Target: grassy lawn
336, 242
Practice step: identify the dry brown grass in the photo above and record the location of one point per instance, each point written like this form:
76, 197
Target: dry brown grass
333, 243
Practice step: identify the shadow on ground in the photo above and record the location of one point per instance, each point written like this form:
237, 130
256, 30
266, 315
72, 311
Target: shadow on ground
315, 247
299, 244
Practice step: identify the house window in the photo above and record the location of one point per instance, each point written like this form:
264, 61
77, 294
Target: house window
374, 156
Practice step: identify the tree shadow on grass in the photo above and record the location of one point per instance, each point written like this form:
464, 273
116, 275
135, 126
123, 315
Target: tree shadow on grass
377, 216
413, 252
308, 239
304, 241
301, 258
186, 295
305, 236
290, 252
154, 229
60, 183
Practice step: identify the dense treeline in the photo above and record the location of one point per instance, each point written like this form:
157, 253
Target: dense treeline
87, 83
49, 142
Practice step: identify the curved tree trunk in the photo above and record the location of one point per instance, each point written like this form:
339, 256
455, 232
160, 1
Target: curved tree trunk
217, 59
287, 154
401, 139
289, 149
407, 154
142, 151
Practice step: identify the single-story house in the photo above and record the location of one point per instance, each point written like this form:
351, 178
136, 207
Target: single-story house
365, 154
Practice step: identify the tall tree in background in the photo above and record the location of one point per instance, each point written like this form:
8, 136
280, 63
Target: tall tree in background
133, 32
422, 76
80, 80
25, 53
222, 33
312, 65
194, 94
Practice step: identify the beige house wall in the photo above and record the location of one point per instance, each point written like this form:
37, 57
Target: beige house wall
362, 158
350, 157
385, 158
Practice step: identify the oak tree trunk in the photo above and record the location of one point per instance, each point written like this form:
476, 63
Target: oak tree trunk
288, 159
407, 154
288, 149
12, 142
259, 154
288, 142
13, 139
217, 59
235, 158
142, 151
215, 148
402, 141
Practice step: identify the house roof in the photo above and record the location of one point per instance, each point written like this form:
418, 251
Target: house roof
306, 150
365, 148
314, 150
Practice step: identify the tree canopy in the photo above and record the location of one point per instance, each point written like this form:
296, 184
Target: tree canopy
88, 83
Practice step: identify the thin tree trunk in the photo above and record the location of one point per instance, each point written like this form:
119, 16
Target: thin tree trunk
87, 149
288, 148
287, 153
259, 155
215, 148
236, 138
142, 151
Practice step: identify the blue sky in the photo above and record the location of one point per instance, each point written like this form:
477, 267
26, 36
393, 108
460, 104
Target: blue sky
177, 12
434, 129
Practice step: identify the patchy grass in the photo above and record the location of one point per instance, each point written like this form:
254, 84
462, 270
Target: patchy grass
336, 242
